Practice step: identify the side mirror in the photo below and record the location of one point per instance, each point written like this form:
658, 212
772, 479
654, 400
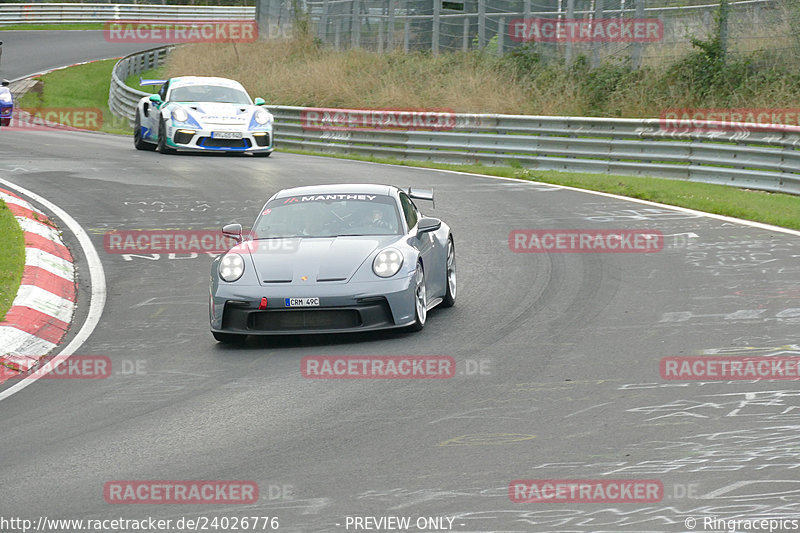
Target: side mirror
428, 224
5, 82
156, 99
259, 101
233, 231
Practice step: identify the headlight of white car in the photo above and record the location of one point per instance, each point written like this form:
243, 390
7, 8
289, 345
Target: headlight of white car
180, 115
231, 267
5, 97
387, 263
263, 117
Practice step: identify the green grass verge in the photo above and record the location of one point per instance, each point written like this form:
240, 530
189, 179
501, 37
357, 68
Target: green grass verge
75, 26
12, 260
769, 208
87, 86
81, 86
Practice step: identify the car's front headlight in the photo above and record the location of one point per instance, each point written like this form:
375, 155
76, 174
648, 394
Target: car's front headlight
262, 116
387, 263
5, 97
231, 267
180, 115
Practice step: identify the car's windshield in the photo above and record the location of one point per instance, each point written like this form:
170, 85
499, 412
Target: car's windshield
209, 93
328, 215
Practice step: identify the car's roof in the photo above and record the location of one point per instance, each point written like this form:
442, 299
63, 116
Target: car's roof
183, 81
339, 188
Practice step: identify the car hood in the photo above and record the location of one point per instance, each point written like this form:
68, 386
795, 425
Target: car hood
331, 260
215, 113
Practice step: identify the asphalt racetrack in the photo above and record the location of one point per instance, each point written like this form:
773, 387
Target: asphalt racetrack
557, 362
26, 52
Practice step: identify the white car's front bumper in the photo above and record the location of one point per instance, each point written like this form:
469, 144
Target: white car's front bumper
190, 139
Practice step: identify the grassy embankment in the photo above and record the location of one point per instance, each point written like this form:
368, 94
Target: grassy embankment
12, 260
81, 86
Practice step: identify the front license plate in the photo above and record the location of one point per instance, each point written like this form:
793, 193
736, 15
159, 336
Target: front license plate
302, 302
226, 134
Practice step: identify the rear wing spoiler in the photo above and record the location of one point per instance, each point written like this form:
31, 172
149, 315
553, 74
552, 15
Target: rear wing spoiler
421, 194
151, 82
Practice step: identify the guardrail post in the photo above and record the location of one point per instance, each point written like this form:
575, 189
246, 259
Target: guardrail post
406, 34
322, 30
481, 24
437, 10
596, 45
723, 27
355, 36
500, 35
262, 18
380, 34
390, 26
636, 57
570, 16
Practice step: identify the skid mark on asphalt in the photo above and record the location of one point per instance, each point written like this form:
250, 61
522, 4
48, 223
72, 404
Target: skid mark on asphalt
587, 409
488, 412
158, 386
487, 439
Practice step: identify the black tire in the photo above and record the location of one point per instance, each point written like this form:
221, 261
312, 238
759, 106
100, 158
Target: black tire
5, 122
138, 141
420, 300
450, 275
162, 139
262, 154
229, 338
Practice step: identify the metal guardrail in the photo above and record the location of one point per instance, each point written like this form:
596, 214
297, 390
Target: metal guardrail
62, 13
767, 159
122, 99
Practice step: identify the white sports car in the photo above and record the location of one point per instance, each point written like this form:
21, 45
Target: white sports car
193, 113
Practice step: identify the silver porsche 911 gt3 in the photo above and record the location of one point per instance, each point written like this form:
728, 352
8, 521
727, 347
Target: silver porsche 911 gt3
333, 258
